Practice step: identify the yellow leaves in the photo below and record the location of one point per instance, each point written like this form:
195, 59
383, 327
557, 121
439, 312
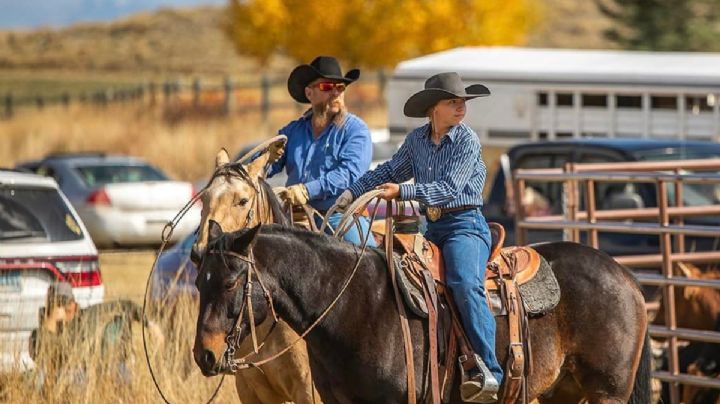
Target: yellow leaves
373, 33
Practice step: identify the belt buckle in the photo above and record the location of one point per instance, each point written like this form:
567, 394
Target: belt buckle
433, 213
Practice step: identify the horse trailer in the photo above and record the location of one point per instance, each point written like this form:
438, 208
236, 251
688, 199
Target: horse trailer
549, 94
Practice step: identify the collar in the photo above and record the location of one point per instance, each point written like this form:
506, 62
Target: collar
451, 134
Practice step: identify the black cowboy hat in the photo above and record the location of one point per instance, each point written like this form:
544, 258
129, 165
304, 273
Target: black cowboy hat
439, 87
323, 66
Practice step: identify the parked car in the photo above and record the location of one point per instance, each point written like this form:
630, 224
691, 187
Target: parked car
42, 240
174, 273
122, 200
500, 208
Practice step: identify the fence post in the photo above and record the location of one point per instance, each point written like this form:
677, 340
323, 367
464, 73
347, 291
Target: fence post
152, 89
265, 98
227, 104
8, 105
167, 89
196, 93
382, 82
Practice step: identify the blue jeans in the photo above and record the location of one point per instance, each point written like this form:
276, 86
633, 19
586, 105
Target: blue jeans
352, 235
465, 241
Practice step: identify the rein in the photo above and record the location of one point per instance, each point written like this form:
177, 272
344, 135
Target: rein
233, 337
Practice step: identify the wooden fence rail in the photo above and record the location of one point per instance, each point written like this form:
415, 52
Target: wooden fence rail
222, 94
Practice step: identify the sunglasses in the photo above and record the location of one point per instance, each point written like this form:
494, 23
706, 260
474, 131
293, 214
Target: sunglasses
327, 86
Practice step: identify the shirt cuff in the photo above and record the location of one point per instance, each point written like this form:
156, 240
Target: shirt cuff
355, 190
407, 192
314, 189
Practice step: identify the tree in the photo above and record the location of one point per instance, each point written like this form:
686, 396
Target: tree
373, 33
664, 25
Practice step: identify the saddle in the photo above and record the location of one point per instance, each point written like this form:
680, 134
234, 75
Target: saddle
512, 273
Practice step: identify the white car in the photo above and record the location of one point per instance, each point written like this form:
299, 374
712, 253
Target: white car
122, 200
42, 241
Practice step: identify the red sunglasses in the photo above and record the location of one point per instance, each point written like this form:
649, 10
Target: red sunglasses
327, 86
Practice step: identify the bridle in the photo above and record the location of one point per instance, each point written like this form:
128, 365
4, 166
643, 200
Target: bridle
232, 339
235, 169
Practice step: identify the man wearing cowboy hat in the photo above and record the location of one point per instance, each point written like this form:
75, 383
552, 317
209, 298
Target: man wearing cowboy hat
445, 159
328, 148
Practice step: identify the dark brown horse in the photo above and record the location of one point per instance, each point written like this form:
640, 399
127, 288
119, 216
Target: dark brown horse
593, 345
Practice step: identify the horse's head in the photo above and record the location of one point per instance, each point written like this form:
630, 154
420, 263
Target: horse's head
223, 284
234, 197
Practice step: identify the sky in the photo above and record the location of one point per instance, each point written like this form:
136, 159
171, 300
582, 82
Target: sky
57, 13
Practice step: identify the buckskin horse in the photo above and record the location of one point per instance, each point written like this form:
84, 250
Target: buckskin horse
238, 197
592, 345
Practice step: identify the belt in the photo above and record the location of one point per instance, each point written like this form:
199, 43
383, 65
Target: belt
434, 213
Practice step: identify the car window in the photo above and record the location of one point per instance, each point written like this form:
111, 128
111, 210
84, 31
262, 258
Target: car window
35, 214
693, 194
542, 197
611, 195
98, 175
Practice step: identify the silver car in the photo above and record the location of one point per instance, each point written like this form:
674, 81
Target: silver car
42, 241
122, 200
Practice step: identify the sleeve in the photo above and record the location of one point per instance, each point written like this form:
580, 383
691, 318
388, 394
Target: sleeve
398, 169
456, 175
353, 159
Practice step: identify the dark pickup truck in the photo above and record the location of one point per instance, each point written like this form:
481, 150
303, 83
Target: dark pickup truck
548, 195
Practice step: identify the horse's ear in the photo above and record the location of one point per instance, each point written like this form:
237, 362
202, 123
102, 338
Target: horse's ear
214, 230
246, 240
685, 269
222, 158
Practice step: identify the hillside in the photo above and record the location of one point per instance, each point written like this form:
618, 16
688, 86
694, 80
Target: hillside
185, 41
167, 41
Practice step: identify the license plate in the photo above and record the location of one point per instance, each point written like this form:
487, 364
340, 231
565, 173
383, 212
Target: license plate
9, 281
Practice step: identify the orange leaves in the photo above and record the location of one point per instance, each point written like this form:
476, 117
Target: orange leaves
373, 33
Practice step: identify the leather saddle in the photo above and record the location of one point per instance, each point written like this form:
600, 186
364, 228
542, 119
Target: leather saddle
420, 273
522, 263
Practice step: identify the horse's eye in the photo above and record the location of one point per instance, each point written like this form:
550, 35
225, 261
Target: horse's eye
243, 202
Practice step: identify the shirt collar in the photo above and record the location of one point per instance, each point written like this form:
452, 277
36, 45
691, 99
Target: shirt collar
451, 135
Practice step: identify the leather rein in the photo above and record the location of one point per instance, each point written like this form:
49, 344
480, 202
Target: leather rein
232, 339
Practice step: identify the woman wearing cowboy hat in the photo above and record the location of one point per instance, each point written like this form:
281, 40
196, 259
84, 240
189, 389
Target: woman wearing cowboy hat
328, 148
444, 157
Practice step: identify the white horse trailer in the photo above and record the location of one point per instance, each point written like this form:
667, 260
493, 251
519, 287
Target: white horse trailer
559, 93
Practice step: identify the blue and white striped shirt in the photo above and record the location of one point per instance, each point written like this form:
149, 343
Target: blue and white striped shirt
449, 175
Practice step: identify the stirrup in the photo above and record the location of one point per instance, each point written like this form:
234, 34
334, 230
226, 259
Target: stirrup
473, 390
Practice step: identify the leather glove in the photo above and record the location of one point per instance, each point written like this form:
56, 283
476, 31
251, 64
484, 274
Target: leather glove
295, 194
344, 200
275, 151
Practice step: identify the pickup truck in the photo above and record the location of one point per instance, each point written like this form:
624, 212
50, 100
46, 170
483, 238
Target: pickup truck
547, 197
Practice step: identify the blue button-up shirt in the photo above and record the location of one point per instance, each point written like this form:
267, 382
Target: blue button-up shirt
448, 175
326, 165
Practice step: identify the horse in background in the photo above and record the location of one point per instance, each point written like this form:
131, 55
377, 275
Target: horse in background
696, 307
592, 345
238, 197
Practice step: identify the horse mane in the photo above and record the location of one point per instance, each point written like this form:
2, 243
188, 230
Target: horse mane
278, 213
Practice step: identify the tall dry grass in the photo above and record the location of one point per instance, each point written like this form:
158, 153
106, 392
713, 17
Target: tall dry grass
91, 374
184, 148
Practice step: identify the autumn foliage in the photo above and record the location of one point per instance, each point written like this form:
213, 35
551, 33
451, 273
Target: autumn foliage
373, 33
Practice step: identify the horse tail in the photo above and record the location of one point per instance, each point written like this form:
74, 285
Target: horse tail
642, 388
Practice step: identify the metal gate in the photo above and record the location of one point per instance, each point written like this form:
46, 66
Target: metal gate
579, 183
